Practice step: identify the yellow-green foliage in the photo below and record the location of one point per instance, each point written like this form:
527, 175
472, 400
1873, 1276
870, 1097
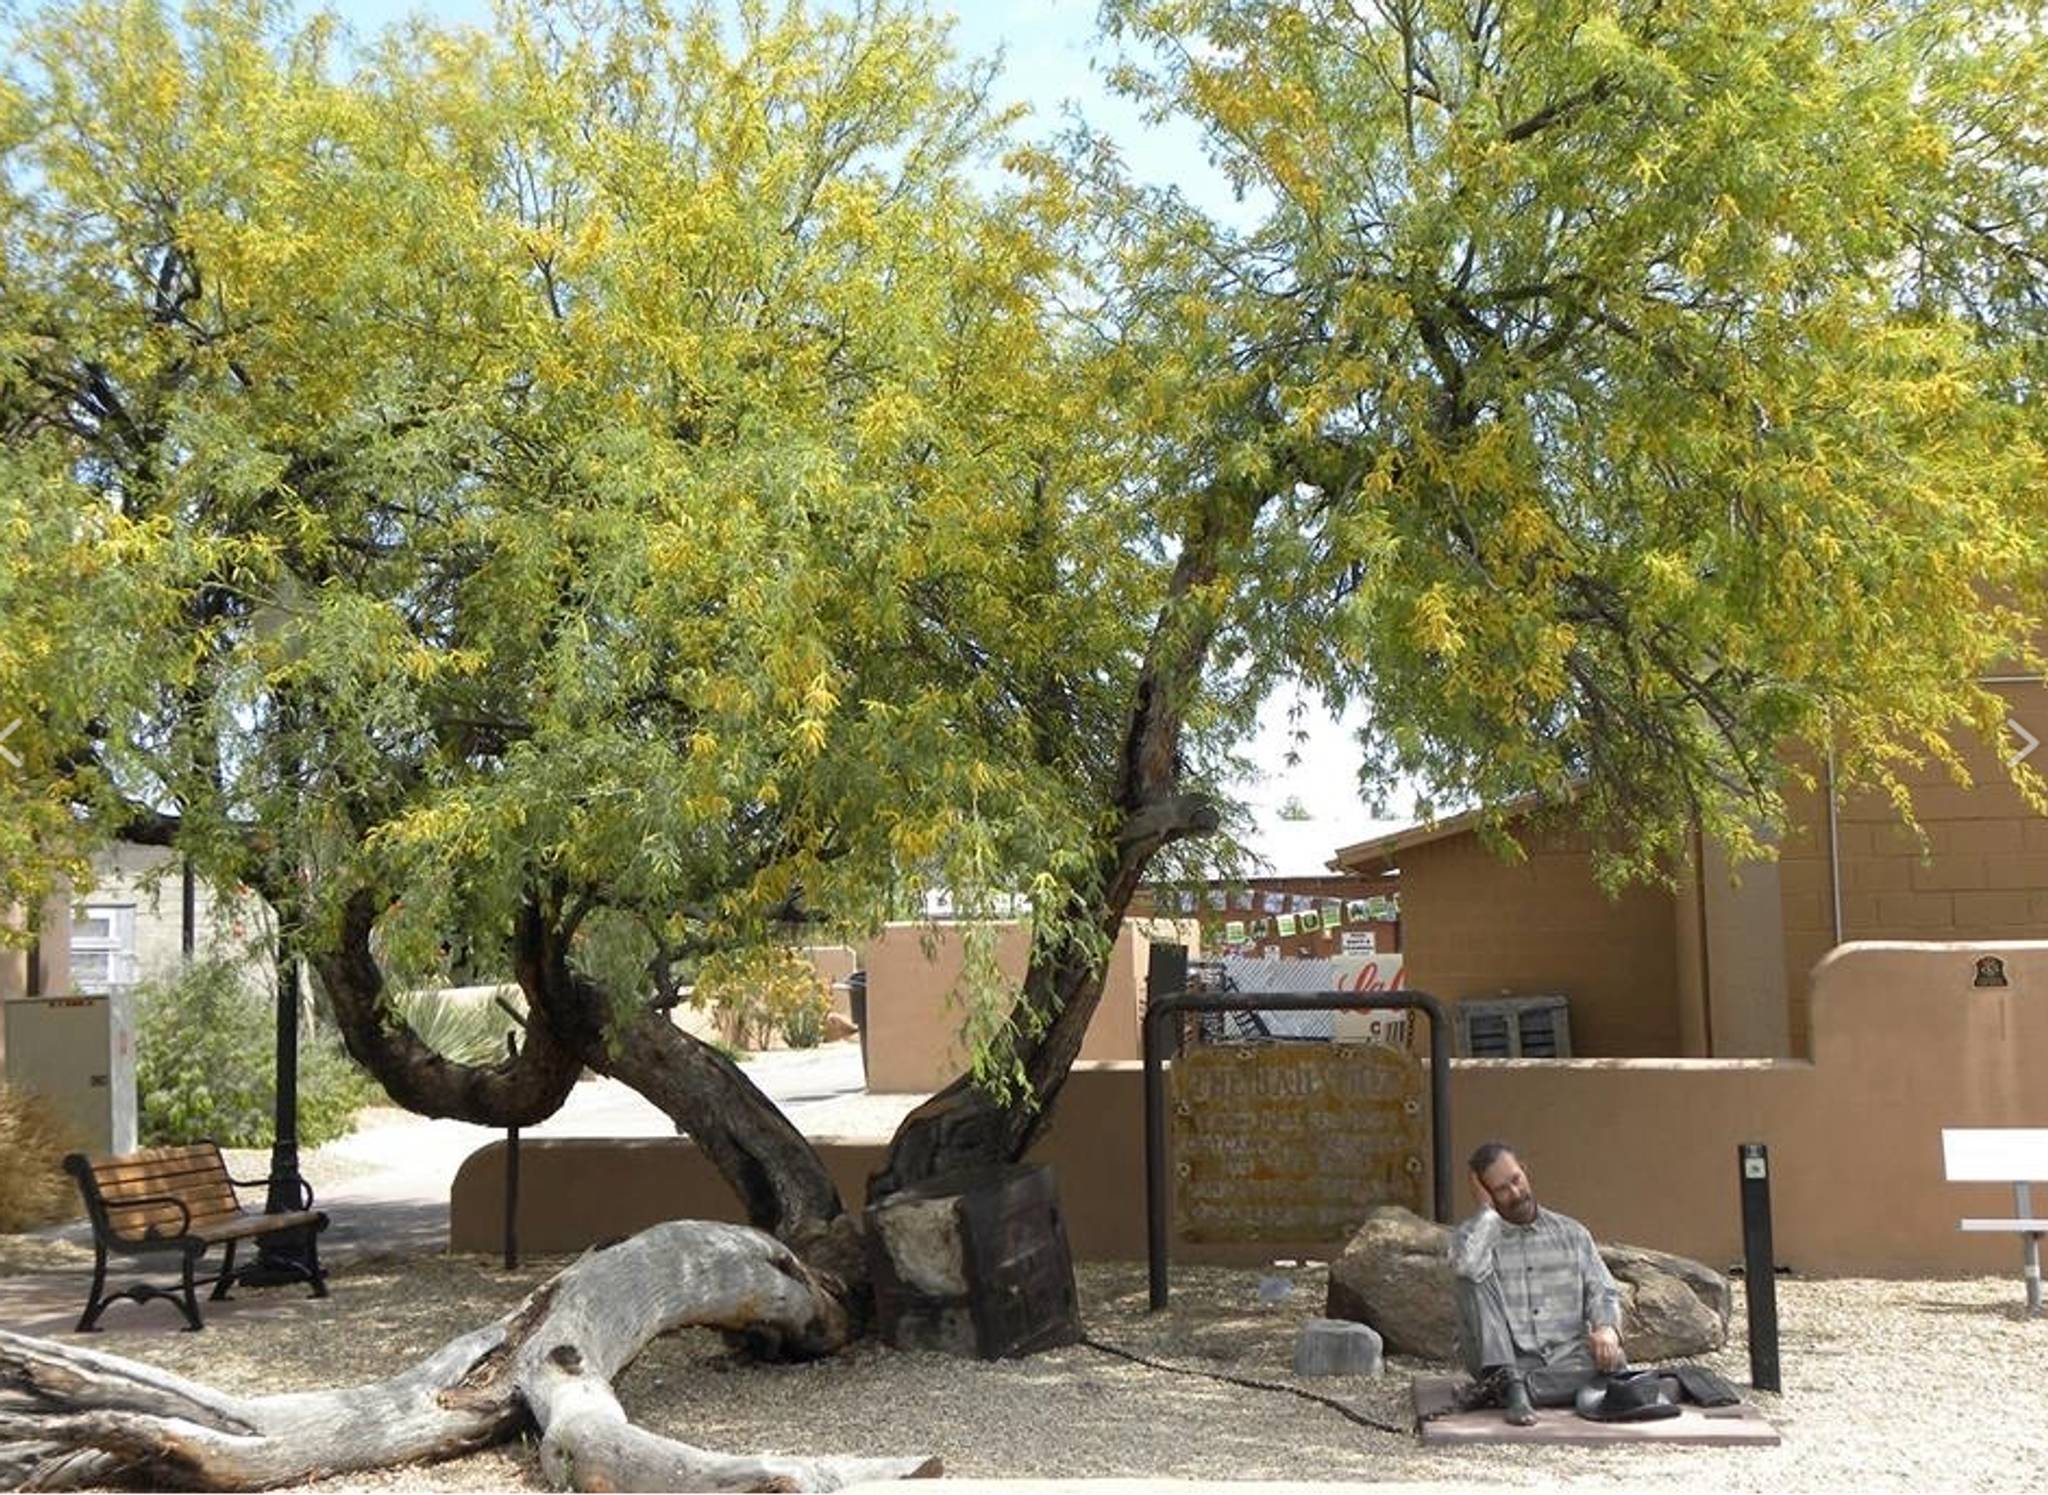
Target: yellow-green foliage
1641, 388
34, 1188
758, 993
658, 462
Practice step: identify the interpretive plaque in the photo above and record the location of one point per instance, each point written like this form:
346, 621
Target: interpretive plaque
1294, 1142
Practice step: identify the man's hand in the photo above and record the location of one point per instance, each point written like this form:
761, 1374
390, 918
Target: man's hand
1606, 1346
1479, 1195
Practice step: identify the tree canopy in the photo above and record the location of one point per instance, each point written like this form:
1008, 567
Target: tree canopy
1671, 375
655, 471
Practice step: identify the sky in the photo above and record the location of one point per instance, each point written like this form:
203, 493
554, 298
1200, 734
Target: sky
1053, 59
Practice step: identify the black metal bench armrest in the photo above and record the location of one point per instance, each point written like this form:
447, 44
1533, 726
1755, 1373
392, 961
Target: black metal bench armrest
153, 1233
305, 1189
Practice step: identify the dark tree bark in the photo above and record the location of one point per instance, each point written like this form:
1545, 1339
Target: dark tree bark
760, 1154
513, 1092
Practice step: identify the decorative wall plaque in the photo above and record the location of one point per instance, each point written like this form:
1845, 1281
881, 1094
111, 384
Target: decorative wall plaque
1294, 1142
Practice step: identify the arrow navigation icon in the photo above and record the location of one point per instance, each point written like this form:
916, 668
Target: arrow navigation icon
2013, 760
5, 733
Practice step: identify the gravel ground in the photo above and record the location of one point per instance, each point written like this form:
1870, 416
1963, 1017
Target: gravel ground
1890, 1386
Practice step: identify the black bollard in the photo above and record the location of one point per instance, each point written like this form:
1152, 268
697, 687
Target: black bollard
1760, 1281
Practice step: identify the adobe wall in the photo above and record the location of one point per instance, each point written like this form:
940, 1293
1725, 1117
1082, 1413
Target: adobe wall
913, 1038
1642, 1150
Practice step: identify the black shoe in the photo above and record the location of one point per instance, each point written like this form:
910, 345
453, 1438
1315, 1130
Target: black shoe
1516, 1399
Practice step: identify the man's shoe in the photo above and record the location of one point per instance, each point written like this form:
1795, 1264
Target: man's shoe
1515, 1398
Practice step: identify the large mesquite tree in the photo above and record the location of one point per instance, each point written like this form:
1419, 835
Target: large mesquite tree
638, 477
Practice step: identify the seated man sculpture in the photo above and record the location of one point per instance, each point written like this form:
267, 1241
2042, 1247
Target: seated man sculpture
1539, 1315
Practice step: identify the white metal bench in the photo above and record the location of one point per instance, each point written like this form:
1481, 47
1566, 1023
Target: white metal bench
2004, 1155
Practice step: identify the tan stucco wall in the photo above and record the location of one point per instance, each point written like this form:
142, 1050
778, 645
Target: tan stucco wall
913, 1042
834, 963
1475, 926
52, 954
1745, 1009
237, 926
1641, 1150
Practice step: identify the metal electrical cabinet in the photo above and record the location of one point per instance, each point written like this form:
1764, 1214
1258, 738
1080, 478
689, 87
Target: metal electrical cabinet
78, 1052
1515, 1028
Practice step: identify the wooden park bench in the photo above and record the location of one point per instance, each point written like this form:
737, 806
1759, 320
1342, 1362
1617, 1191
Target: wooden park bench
2005, 1155
178, 1201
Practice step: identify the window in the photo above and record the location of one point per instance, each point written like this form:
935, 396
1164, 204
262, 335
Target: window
103, 947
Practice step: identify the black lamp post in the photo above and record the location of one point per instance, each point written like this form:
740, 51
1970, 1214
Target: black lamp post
285, 1257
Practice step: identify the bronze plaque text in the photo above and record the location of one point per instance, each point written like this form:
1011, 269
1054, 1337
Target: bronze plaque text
1293, 1142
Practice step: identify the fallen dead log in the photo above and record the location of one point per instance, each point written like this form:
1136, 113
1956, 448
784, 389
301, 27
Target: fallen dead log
71, 1417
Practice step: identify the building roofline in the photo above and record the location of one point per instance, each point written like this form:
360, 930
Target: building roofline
1349, 858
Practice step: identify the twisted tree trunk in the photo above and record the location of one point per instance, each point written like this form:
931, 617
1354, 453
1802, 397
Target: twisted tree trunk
962, 1127
72, 1417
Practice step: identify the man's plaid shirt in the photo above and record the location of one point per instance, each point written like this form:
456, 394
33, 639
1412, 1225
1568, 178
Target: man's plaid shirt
1551, 1276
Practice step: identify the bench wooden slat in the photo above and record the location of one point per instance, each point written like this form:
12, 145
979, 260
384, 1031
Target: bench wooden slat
162, 1183
143, 1183
153, 1157
248, 1225
163, 1218
128, 1178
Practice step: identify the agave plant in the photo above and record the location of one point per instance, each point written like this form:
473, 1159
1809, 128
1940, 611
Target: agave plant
465, 1030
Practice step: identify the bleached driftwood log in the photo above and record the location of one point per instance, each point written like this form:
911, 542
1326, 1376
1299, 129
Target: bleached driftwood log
71, 1416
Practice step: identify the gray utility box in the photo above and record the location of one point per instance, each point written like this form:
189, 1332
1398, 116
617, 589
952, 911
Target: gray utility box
78, 1052
1515, 1028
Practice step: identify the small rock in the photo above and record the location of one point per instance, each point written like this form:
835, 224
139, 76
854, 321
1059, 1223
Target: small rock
838, 1026
1338, 1347
1274, 1289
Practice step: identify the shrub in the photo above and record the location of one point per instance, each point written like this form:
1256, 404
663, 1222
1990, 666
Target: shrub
755, 993
206, 1064
34, 1188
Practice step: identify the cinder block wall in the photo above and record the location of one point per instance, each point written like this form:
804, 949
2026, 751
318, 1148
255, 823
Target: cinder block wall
1475, 926
1981, 875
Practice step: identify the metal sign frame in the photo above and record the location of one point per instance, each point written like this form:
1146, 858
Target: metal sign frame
1158, 1207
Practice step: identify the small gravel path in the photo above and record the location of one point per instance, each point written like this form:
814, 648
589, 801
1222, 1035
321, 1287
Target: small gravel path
1889, 1386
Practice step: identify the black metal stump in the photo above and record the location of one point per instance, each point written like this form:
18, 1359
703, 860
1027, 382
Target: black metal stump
1760, 1271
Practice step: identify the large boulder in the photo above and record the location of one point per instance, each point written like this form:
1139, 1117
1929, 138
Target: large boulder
1395, 1275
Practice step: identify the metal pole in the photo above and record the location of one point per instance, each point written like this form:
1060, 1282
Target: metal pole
2023, 1198
284, 1257
188, 922
1760, 1270
284, 1152
511, 1175
1439, 1112
1156, 1203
